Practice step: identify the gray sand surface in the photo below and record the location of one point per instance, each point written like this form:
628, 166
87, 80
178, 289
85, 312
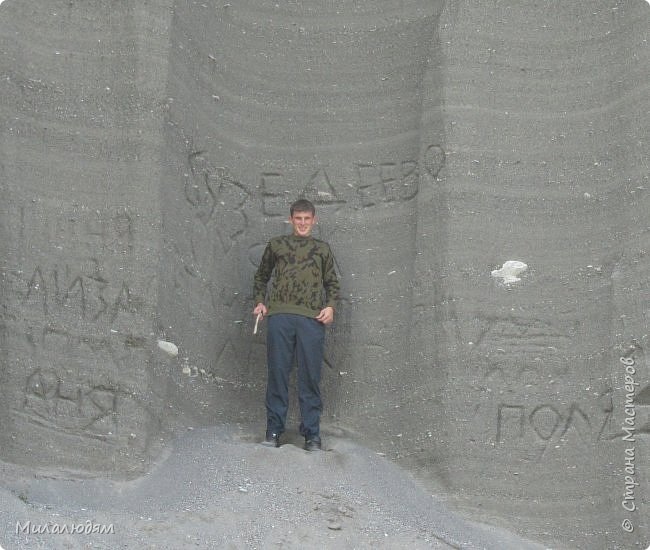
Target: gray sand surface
148, 150
218, 488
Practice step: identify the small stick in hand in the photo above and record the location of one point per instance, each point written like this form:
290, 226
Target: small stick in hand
257, 320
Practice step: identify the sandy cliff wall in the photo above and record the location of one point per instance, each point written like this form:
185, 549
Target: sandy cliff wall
148, 151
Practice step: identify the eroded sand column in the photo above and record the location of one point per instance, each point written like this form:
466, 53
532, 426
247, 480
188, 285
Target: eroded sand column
80, 230
542, 167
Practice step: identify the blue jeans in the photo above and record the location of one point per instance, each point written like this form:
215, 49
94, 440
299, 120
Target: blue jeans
304, 337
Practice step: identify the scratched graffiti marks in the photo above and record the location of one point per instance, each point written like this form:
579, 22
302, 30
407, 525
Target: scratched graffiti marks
278, 192
275, 198
509, 347
391, 181
68, 287
80, 290
71, 406
78, 229
387, 182
546, 422
217, 199
320, 191
514, 353
434, 160
536, 430
60, 391
115, 231
372, 184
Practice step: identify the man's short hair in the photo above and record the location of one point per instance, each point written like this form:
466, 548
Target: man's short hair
303, 205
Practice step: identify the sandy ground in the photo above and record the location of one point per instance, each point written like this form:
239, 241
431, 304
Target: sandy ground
218, 487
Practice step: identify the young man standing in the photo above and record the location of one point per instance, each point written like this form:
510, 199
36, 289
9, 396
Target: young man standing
298, 311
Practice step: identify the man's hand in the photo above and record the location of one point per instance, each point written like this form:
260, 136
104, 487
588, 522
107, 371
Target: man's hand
326, 315
260, 309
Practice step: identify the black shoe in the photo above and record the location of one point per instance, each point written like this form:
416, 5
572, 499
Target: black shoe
272, 440
312, 444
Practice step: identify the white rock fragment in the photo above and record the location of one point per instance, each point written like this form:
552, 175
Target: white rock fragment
168, 347
508, 273
187, 370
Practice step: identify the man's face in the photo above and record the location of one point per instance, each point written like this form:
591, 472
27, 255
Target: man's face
303, 223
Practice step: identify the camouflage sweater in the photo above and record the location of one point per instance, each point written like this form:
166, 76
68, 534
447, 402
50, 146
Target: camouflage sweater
302, 267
